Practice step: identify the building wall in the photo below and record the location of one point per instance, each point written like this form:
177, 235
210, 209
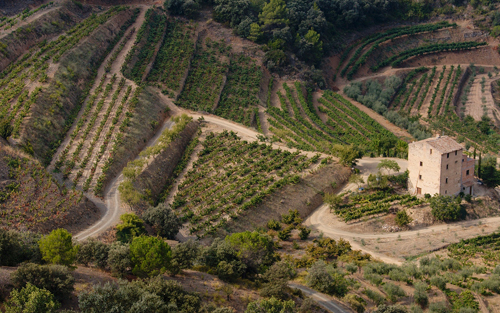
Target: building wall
451, 173
467, 180
427, 177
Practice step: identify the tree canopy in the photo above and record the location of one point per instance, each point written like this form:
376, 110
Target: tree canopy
57, 247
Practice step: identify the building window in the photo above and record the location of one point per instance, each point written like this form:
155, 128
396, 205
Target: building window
446, 180
456, 152
446, 192
446, 166
463, 160
421, 163
448, 155
431, 151
420, 177
467, 173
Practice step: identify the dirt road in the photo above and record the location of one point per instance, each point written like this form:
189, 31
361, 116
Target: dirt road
323, 300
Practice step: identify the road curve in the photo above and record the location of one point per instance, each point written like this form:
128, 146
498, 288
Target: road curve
323, 300
111, 207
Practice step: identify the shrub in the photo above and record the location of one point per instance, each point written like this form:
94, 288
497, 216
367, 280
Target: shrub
271, 305
290, 217
285, 234
391, 309
9, 248
150, 256
119, 258
325, 279
374, 279
276, 280
439, 307
55, 278
398, 275
222, 258
304, 233
57, 247
351, 268
439, 282
131, 226
163, 220
31, 299
357, 303
255, 250
403, 218
420, 295
274, 225
93, 252
374, 296
394, 292
184, 255
446, 208
327, 248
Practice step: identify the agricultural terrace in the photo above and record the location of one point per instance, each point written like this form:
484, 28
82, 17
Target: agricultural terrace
173, 58
396, 45
301, 124
357, 206
231, 176
128, 192
486, 248
142, 53
239, 99
22, 82
431, 94
33, 198
206, 76
7, 23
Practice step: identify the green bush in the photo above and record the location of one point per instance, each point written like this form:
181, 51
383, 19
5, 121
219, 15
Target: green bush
357, 303
420, 295
31, 299
275, 280
291, 217
184, 255
119, 258
374, 279
324, 278
163, 220
131, 226
255, 250
274, 225
57, 247
150, 256
439, 307
304, 233
403, 218
391, 309
394, 292
56, 279
376, 297
446, 208
351, 267
93, 252
271, 305
439, 282
222, 259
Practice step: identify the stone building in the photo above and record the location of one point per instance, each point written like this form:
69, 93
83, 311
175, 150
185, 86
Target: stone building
438, 166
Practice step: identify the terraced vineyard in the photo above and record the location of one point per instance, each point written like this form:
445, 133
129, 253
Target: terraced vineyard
142, 53
485, 247
23, 81
380, 202
239, 98
298, 122
7, 23
174, 57
231, 176
206, 77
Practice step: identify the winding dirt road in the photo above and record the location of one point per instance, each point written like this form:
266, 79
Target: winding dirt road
323, 300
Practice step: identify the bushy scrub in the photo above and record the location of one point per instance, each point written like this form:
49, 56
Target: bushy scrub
373, 94
325, 278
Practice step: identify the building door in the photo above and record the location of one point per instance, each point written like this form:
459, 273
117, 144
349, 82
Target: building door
419, 191
470, 190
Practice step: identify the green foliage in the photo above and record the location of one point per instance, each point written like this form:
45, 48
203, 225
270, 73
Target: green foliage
5, 129
56, 279
273, 13
184, 255
326, 279
189, 8
222, 259
150, 256
119, 258
357, 303
304, 233
31, 299
333, 200
327, 248
420, 295
291, 217
439, 282
93, 252
374, 296
255, 250
271, 305
403, 218
348, 155
164, 221
389, 165
439, 307
489, 173
393, 292
274, 224
276, 280
148, 295
131, 226
57, 247
446, 208
391, 309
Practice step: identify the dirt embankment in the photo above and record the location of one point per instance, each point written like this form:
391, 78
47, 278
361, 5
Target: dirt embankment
12, 7
60, 102
47, 26
148, 116
153, 178
304, 196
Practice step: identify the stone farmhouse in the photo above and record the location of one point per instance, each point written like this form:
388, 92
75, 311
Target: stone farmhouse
438, 166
